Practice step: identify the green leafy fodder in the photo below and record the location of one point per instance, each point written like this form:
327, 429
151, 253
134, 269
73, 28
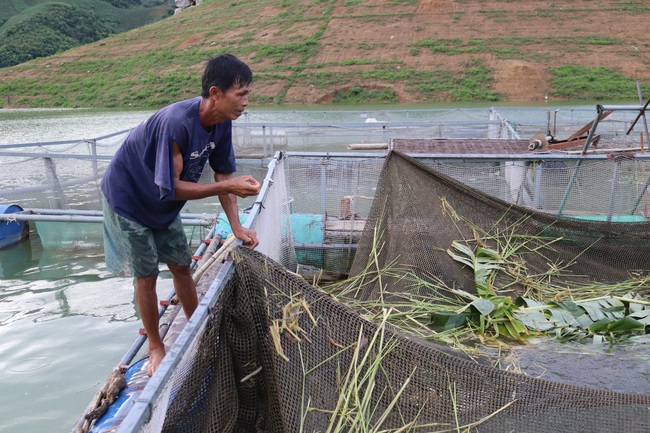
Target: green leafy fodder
429, 308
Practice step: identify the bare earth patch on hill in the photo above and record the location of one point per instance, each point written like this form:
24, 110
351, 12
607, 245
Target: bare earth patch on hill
307, 52
514, 79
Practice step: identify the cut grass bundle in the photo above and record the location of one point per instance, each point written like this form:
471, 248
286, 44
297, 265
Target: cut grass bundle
355, 410
510, 301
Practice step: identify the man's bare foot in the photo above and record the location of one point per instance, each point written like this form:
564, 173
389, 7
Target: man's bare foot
155, 358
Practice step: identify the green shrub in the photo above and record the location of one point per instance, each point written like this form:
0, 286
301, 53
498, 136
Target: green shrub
358, 94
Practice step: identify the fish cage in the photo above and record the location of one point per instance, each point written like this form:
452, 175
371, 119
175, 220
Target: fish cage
269, 350
266, 349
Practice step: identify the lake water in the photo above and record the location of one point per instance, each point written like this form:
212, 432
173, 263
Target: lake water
65, 323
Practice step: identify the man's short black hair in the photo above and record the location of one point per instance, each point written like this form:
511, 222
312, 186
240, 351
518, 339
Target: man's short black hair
225, 71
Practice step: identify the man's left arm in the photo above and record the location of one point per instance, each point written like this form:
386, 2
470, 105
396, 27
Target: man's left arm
229, 205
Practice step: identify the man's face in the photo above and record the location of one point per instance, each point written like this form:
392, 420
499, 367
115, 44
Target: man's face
234, 101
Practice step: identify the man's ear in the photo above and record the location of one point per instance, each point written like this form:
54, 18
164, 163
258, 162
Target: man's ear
215, 92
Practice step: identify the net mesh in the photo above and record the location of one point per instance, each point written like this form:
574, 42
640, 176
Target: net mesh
242, 383
420, 211
332, 370
276, 239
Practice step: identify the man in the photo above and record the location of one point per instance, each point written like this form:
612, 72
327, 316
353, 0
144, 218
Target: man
156, 171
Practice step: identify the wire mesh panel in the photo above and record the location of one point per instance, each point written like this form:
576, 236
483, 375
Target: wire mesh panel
57, 175
591, 189
331, 198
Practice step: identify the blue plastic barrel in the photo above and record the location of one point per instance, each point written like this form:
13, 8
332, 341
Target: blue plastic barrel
12, 232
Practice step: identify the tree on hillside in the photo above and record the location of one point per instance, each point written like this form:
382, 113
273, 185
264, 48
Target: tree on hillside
57, 28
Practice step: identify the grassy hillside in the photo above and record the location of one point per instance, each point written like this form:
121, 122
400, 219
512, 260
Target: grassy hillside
321, 51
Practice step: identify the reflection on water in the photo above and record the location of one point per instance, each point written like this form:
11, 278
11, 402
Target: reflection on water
34, 126
16, 258
48, 283
64, 325
621, 368
49, 371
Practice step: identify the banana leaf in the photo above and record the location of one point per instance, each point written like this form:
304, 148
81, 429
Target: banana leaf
535, 320
440, 322
626, 324
642, 316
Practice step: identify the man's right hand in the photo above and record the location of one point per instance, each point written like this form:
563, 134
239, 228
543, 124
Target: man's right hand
243, 186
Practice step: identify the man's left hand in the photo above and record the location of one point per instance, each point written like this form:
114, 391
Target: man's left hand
248, 237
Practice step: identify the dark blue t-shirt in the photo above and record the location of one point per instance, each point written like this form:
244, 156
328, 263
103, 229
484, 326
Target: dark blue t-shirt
139, 181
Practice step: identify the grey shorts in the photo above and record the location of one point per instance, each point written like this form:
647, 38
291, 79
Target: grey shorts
133, 250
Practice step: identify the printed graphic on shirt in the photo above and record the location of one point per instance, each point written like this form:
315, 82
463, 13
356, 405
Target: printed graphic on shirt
208, 148
197, 162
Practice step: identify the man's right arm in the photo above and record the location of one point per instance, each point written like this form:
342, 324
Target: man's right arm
241, 186
229, 205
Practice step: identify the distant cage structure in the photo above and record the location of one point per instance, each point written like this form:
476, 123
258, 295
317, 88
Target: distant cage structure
260, 134
53, 171
50, 169
484, 148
